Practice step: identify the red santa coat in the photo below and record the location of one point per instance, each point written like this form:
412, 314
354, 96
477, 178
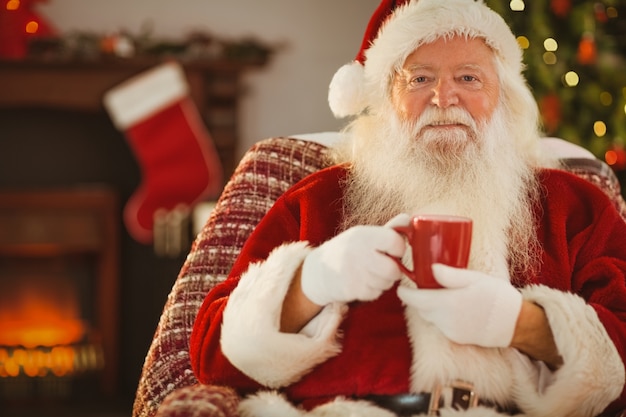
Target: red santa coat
382, 347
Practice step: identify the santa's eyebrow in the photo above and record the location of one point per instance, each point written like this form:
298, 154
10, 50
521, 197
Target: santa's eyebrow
418, 67
472, 67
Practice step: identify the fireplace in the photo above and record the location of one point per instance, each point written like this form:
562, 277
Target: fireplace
58, 142
59, 278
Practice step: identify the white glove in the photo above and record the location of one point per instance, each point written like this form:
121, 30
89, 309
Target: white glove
473, 308
354, 265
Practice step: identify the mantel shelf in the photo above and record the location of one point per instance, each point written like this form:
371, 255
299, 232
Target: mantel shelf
79, 86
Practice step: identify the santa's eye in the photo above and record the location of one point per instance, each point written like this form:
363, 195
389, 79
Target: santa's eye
469, 78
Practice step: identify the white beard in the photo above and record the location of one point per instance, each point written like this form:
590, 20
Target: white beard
473, 171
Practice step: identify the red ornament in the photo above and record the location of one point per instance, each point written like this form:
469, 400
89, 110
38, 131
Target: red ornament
615, 156
550, 108
18, 25
587, 50
561, 7
599, 11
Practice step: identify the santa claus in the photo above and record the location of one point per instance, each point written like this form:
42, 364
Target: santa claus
317, 319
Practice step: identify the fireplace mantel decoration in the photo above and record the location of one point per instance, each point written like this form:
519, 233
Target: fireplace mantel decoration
197, 46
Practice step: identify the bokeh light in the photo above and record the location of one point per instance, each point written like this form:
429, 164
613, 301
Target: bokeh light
549, 58
571, 79
550, 45
599, 128
523, 42
517, 5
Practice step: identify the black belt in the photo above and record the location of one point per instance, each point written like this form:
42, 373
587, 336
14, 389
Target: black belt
458, 395
402, 404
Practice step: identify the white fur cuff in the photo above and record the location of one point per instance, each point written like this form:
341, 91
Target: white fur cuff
251, 339
592, 374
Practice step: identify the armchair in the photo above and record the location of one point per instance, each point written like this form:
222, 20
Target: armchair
167, 385
264, 173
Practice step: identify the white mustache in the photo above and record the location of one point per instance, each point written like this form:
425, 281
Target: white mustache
434, 116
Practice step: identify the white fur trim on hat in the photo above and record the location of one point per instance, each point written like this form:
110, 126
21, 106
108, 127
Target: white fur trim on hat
345, 93
411, 25
251, 337
424, 21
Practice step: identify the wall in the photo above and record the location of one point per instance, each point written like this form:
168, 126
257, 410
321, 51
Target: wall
286, 97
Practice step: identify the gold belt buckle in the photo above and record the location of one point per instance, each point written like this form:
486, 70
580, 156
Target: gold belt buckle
459, 395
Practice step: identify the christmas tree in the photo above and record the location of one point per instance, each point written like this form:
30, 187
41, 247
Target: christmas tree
575, 55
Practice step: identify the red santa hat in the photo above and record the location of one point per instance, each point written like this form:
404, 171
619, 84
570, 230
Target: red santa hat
397, 28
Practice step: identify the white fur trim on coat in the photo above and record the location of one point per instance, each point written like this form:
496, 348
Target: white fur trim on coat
251, 339
592, 374
273, 404
268, 404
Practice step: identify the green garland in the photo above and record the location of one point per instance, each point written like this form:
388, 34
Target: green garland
197, 46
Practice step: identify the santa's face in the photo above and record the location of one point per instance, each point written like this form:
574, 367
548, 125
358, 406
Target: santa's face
445, 145
447, 74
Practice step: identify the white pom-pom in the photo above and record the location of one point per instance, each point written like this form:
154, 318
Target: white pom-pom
345, 92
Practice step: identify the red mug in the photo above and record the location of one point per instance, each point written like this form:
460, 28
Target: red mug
436, 239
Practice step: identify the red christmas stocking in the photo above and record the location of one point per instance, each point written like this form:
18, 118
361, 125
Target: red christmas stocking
178, 161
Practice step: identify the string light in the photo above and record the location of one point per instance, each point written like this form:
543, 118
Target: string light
517, 5
606, 98
549, 58
13, 5
523, 42
611, 12
610, 157
550, 45
599, 128
32, 27
571, 79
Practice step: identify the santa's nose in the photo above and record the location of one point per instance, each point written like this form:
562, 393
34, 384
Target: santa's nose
445, 94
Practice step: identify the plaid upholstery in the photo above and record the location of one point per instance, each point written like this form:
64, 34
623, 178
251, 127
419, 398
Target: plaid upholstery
601, 175
199, 401
267, 170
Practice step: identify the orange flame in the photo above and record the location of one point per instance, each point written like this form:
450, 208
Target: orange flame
43, 332
40, 312
59, 361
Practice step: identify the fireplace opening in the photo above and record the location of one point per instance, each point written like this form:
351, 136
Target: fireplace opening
39, 303
58, 295
46, 330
